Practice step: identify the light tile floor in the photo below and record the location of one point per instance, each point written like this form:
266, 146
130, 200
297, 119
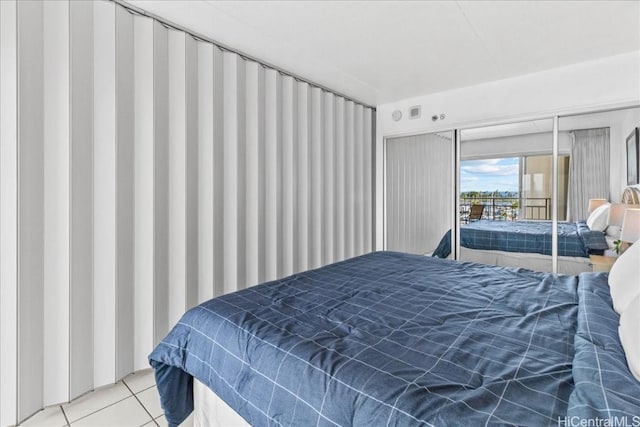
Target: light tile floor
134, 401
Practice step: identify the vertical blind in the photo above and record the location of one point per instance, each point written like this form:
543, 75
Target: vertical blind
142, 171
418, 191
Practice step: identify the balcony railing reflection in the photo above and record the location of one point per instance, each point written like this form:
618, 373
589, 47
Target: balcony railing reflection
507, 208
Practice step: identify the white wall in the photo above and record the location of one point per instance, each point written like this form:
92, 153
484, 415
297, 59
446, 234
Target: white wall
629, 120
589, 86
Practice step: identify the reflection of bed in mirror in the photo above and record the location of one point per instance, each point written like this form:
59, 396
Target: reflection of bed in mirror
527, 244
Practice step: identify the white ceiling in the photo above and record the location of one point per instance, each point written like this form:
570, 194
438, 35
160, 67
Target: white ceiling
384, 51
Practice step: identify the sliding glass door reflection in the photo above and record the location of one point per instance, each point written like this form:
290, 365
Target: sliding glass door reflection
506, 194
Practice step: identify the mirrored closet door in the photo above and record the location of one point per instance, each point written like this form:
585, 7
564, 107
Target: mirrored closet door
419, 203
506, 194
602, 180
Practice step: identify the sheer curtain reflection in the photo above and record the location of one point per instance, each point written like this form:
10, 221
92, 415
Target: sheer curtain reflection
588, 170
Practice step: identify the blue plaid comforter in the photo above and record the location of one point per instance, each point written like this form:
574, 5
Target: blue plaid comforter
604, 388
574, 239
387, 339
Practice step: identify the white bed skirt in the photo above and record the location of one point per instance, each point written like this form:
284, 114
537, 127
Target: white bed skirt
211, 411
532, 261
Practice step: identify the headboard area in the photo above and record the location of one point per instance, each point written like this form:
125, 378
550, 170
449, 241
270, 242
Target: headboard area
631, 195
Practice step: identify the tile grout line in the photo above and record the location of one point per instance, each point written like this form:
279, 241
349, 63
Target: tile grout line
141, 404
104, 407
64, 414
146, 388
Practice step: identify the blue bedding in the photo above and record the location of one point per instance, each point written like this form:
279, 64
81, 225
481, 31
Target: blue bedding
389, 339
604, 387
574, 239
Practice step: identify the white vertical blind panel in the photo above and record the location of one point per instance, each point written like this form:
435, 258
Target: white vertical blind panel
402, 217
56, 202
329, 164
218, 172
316, 150
255, 132
81, 45
421, 205
349, 166
191, 165
261, 181
303, 176
125, 201
161, 181
144, 190
272, 239
177, 175
394, 225
401, 186
367, 217
358, 171
206, 225
30, 208
241, 173
407, 214
339, 210
104, 199
445, 211
153, 171
289, 161
8, 212
412, 190
230, 175
379, 214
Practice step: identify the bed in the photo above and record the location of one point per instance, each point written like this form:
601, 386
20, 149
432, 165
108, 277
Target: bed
528, 243
505, 242
397, 339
